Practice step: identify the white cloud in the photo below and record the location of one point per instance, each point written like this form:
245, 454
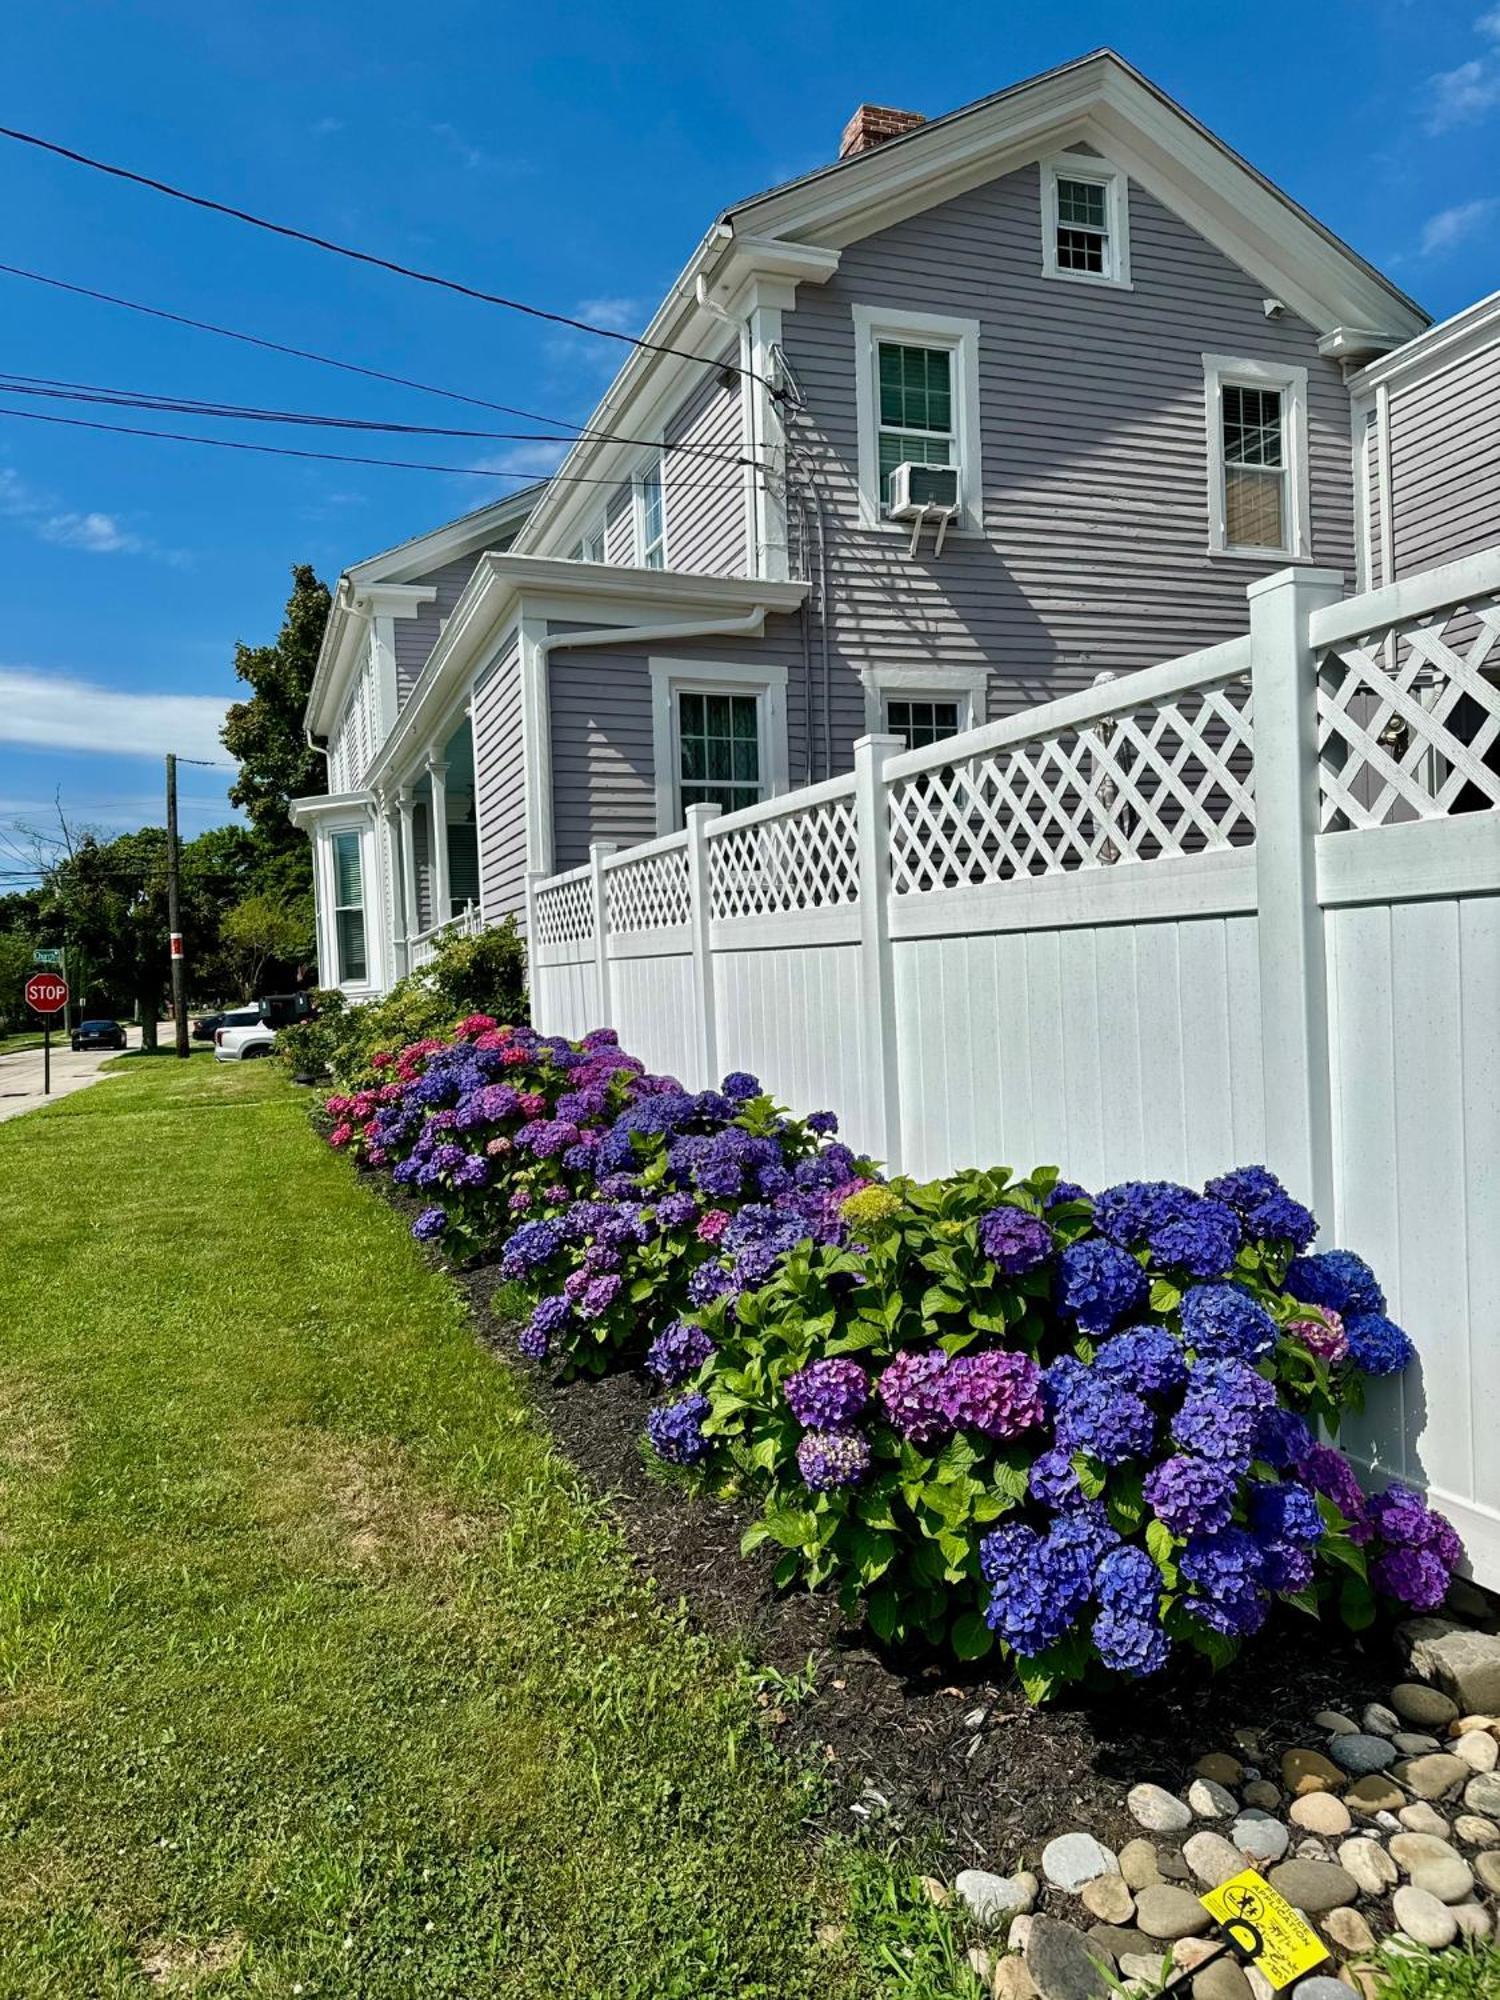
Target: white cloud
59, 712
1452, 226
1489, 24
91, 530
100, 534
619, 315
1463, 95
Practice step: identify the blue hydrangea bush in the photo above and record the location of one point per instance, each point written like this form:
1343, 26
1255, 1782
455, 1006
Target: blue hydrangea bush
1086, 1429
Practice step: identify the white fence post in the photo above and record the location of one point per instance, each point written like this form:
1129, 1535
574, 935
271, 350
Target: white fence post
700, 915
1293, 970
877, 981
599, 851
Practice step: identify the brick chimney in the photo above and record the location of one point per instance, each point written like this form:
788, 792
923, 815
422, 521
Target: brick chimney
873, 124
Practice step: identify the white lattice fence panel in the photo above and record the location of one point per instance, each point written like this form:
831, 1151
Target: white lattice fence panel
649, 894
1409, 720
1175, 778
807, 860
565, 911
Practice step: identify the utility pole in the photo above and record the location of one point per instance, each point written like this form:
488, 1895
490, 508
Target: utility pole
179, 983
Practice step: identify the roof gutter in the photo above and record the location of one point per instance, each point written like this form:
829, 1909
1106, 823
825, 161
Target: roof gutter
749, 624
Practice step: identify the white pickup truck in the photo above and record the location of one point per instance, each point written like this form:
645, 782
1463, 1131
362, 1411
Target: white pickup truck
242, 1035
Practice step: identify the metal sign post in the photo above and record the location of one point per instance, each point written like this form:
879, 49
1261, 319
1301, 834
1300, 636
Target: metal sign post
46, 994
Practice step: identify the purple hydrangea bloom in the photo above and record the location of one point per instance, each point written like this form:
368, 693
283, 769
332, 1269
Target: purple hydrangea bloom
911, 1387
1321, 1332
708, 1282
1025, 1606
1224, 1320
1014, 1240
1416, 1578
1075, 1544
827, 1459
1090, 1413
676, 1430
1099, 1284
1284, 1513
823, 1123
598, 1296
1401, 1515
1329, 1472
1336, 1279
430, 1224
1226, 1570
1067, 1191
829, 1394
1127, 1632
1378, 1345
1128, 1212
1147, 1359
740, 1085
549, 1316
678, 1351
1192, 1495
1282, 1439
676, 1211
997, 1393
1221, 1412
1053, 1481
529, 1248
1203, 1241
1264, 1206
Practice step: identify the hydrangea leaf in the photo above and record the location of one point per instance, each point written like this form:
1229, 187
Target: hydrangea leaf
971, 1637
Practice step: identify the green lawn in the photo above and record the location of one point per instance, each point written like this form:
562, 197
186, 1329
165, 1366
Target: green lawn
317, 1673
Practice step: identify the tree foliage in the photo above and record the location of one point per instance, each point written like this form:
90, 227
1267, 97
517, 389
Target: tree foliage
265, 734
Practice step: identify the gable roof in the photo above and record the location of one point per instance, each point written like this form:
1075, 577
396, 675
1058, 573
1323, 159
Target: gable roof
798, 228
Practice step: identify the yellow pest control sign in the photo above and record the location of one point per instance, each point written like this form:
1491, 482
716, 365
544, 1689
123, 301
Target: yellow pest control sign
1264, 1926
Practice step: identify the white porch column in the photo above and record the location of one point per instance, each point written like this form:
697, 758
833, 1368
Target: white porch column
442, 895
390, 829
406, 805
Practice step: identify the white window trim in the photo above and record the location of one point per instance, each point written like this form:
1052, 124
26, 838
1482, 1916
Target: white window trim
1103, 173
873, 324
1220, 369
655, 460
594, 529
372, 893
671, 677
968, 686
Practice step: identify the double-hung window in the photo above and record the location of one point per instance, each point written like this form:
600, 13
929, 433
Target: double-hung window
916, 408
916, 395
1257, 451
718, 736
718, 749
349, 907
920, 721
1085, 220
650, 517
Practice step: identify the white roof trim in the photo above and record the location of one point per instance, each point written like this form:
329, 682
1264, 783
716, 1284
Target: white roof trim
1443, 346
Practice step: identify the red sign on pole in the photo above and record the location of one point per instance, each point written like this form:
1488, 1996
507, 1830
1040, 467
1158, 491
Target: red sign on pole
46, 993
176, 944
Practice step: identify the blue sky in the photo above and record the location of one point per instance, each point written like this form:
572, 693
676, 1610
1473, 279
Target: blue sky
569, 155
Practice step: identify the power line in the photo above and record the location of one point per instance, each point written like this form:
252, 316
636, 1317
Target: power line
344, 457
369, 257
58, 389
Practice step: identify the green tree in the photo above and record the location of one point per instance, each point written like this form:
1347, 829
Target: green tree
266, 930
265, 734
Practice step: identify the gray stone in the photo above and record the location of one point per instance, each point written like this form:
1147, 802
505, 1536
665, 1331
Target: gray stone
1311, 1850
1423, 1918
1336, 1724
1221, 1980
1012, 1981
1323, 1813
1362, 1754
1016, 1936
1062, 1962
1263, 1839
1412, 1743
1189, 1953
1348, 1930
1310, 1771
1314, 1886
1155, 1808
1320, 1987
1262, 1794
1434, 1866
1146, 1965
1474, 1830
1415, 1701
1222, 1769
994, 1898
1482, 1794
1369, 1864
1473, 1919
1075, 1858
1171, 1866
1369, 1797
1212, 1858
1165, 1911
1432, 1777
1109, 1899
1380, 1720
1138, 1864
1209, 1799
1478, 1749
1487, 1868
1464, 1664
1423, 1818
1119, 1940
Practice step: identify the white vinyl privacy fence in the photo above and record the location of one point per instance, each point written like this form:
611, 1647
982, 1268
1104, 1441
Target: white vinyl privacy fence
1242, 906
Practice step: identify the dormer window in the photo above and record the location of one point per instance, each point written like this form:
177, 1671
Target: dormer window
1085, 220
650, 517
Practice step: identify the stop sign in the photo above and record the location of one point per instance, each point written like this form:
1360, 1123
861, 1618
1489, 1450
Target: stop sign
46, 993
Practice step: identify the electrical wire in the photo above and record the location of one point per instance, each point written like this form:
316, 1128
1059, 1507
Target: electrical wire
370, 257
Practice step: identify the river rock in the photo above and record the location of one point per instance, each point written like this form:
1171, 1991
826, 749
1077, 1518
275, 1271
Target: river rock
1423, 1818
1432, 1777
1450, 1880
1474, 1830
1304, 1771
1464, 1663
1314, 1886
1467, 1722
1075, 1858
1487, 1867
1414, 1701
1413, 1743
1473, 1919
1062, 1963
1171, 1866
1109, 1899
1210, 1800
1321, 1986
1189, 1953
1212, 1858
1219, 1768
1020, 1930
1321, 1812
1335, 1723
1478, 1749
1369, 1864
1348, 1930
1012, 1981
1369, 1797
1482, 1794
994, 1898
1221, 1980
1165, 1911
1138, 1864
1262, 1794
1362, 1754
1423, 1918
1119, 1940
1156, 1809
1264, 1839
1144, 1965
1380, 1720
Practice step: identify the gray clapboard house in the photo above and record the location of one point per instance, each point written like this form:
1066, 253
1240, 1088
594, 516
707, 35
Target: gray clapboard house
994, 403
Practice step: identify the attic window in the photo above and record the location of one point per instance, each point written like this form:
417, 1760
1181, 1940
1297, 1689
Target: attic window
1085, 220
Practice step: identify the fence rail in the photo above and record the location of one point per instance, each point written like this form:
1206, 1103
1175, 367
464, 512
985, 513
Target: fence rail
1243, 905
424, 947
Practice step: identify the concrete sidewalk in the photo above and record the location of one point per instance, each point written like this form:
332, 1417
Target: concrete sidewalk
21, 1074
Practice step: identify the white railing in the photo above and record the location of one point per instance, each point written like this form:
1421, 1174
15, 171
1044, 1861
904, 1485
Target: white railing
423, 948
1244, 905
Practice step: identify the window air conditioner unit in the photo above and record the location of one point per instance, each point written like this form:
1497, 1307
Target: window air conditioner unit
922, 493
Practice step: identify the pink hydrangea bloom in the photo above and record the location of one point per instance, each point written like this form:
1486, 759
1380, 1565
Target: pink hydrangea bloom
1321, 1332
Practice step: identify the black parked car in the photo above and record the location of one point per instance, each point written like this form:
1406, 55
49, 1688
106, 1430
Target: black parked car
203, 1027
277, 1010
98, 1035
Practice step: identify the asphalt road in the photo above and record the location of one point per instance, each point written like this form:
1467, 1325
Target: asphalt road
21, 1074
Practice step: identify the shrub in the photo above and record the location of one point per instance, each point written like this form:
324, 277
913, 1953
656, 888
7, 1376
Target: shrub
485, 973
986, 1410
